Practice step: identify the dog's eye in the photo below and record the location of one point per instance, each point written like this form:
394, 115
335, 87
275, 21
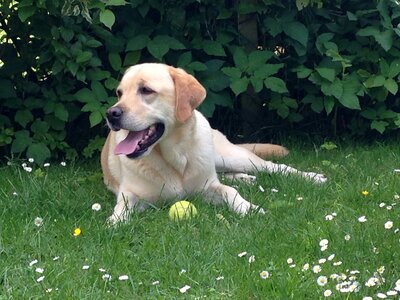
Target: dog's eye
144, 90
119, 93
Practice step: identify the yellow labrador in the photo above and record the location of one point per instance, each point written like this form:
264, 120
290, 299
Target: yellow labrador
161, 148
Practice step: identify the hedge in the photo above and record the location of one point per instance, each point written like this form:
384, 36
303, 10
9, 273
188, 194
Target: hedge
330, 65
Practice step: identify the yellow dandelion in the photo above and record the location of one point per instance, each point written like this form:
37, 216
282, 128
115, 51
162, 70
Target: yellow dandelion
365, 193
77, 231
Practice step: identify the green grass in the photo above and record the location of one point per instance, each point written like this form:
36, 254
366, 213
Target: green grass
152, 248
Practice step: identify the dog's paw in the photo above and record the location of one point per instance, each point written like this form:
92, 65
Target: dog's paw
246, 207
315, 177
241, 176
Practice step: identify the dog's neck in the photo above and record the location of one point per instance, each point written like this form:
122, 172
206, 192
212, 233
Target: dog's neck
178, 145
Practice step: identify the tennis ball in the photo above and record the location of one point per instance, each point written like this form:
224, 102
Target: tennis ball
182, 210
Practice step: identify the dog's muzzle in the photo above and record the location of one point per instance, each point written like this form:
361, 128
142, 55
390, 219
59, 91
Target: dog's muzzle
114, 116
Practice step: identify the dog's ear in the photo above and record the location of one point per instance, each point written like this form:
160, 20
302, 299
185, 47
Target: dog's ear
189, 93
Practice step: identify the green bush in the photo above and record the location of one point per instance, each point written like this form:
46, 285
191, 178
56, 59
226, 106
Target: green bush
333, 65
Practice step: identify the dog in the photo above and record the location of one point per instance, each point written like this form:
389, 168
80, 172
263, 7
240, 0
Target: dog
161, 148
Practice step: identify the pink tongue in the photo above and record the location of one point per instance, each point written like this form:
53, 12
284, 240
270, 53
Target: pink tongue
128, 145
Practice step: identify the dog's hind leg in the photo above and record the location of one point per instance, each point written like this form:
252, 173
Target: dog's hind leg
232, 158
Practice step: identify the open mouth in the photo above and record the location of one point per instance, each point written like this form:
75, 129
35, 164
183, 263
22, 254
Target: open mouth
137, 142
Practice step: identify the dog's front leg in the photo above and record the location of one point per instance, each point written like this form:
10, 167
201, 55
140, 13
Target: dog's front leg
219, 193
126, 202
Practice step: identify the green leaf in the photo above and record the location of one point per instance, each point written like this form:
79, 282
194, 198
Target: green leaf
115, 61
385, 39
111, 83
157, 49
368, 31
266, 70
327, 73
276, 85
213, 48
40, 127
258, 58
92, 43
233, 73
333, 89
61, 112
23, 117
394, 68
238, 86
116, 2
99, 91
67, 34
85, 95
257, 84
26, 12
95, 118
317, 105
329, 103
21, 142
132, 58
107, 17
7, 89
72, 67
297, 31
391, 86
349, 98
240, 59
302, 71
374, 81
351, 16
380, 126
185, 59
197, 66
139, 42
84, 56
39, 151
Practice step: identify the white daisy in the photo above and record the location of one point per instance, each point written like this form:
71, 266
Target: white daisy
96, 206
31, 160
322, 261
274, 190
327, 293
241, 254
33, 262
261, 188
184, 289
391, 293
63, 163
306, 267
220, 278
323, 242
328, 217
157, 282
388, 225
106, 277
39, 270
322, 280
289, 260
316, 269
337, 263
86, 267
362, 219
252, 258
46, 165
40, 279
381, 296
331, 257
38, 221
347, 237
264, 274
123, 277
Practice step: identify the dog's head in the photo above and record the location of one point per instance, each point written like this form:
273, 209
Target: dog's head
152, 100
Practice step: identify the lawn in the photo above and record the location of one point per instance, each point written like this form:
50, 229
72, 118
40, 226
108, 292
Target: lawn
341, 236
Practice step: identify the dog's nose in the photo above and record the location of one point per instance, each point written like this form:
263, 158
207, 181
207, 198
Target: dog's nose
114, 113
